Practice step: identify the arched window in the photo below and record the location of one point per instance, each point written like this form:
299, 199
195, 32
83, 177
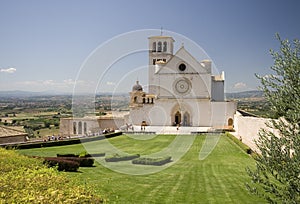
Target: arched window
84, 128
154, 47
80, 128
135, 99
165, 47
144, 100
230, 122
159, 46
186, 119
74, 128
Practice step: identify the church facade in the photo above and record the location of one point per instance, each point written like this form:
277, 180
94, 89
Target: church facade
181, 90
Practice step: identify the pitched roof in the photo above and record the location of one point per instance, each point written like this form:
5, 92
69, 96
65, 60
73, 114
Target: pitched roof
8, 132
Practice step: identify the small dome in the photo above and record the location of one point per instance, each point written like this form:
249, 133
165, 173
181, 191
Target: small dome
137, 87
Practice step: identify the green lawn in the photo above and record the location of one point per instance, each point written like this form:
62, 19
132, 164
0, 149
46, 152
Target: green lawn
220, 178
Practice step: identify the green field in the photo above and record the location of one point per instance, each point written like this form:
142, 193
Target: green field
220, 178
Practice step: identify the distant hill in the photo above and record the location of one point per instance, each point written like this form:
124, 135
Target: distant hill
17, 93
245, 94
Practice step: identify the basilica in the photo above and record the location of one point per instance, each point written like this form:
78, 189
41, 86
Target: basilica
181, 90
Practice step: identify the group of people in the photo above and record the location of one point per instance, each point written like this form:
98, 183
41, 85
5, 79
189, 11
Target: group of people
53, 138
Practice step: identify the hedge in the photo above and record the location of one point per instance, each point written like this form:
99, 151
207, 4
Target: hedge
82, 154
117, 157
66, 155
152, 161
40, 144
95, 155
83, 161
62, 164
243, 146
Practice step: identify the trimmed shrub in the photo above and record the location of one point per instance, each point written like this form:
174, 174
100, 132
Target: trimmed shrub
61, 163
98, 155
66, 155
83, 161
60, 142
152, 161
82, 155
85, 154
117, 157
243, 146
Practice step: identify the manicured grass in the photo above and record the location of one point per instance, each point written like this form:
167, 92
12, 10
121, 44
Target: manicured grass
219, 178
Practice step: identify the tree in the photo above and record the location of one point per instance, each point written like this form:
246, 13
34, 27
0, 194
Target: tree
277, 173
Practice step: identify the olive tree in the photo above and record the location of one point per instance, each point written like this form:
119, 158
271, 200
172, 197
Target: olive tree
276, 176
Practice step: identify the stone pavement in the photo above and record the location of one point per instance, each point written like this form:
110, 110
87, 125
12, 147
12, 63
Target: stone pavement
169, 130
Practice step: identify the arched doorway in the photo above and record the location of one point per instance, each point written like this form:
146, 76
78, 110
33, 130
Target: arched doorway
177, 118
186, 119
80, 128
230, 122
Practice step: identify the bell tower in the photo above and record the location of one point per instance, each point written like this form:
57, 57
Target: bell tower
160, 51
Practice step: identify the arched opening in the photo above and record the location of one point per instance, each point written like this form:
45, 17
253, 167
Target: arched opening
230, 122
84, 128
80, 128
186, 119
74, 128
135, 99
144, 100
159, 47
177, 118
165, 47
154, 47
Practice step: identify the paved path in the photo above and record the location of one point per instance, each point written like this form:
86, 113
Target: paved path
167, 130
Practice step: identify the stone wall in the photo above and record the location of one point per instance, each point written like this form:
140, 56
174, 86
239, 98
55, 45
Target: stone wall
247, 129
111, 123
13, 139
88, 126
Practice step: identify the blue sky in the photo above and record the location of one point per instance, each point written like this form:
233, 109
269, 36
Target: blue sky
43, 44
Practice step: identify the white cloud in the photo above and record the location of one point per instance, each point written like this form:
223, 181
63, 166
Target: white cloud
69, 82
110, 83
239, 85
49, 82
9, 70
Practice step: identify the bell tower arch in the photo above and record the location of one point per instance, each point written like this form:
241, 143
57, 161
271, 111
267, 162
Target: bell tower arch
160, 51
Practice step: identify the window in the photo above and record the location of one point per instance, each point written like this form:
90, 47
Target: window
159, 46
154, 60
84, 128
230, 122
182, 67
80, 128
165, 47
74, 128
154, 47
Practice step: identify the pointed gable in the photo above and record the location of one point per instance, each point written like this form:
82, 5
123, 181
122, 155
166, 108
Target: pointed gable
182, 56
